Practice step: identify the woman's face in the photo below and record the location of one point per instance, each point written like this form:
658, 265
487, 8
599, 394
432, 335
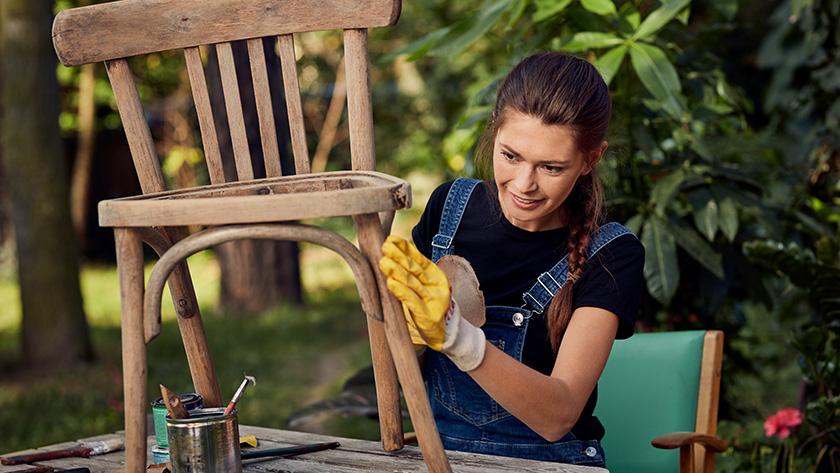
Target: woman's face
536, 167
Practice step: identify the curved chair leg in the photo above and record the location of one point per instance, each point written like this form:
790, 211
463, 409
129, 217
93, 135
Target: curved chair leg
130, 268
371, 238
399, 344
190, 323
384, 372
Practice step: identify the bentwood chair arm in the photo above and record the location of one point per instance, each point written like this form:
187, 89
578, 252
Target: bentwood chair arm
686, 442
682, 439
366, 282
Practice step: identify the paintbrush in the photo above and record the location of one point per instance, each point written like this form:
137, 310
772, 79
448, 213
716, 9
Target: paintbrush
285, 452
85, 449
173, 404
248, 380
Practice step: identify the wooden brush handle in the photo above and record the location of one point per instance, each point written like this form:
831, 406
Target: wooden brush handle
44, 456
173, 404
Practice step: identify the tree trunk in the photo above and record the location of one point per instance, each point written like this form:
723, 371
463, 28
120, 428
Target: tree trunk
256, 274
54, 327
83, 164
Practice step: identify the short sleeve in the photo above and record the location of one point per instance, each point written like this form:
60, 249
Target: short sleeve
614, 281
427, 227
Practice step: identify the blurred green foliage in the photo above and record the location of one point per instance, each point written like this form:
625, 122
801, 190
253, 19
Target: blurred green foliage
705, 175
724, 141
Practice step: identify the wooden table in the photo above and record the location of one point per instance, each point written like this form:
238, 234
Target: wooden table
354, 456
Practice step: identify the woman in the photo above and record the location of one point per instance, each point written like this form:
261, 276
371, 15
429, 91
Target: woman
559, 285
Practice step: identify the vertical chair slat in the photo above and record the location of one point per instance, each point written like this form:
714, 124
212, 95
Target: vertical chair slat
136, 129
198, 83
293, 104
359, 111
233, 105
265, 114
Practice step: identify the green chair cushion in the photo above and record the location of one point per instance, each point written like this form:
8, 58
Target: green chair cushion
648, 388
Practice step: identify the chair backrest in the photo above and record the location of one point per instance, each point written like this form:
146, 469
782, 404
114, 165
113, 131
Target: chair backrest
114, 31
655, 384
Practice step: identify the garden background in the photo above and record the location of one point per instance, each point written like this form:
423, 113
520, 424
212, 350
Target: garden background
724, 158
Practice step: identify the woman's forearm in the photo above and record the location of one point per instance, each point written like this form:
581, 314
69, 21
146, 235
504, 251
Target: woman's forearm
543, 403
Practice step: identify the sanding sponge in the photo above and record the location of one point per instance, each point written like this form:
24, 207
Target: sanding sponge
465, 288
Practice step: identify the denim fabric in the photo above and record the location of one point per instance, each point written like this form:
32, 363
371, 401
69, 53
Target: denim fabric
453, 209
548, 283
467, 418
470, 420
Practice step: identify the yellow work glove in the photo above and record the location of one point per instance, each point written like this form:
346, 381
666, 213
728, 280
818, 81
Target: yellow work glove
432, 316
421, 287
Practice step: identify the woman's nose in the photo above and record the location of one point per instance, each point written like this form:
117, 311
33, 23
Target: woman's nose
525, 180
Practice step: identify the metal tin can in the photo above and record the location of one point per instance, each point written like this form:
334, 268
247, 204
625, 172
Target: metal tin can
207, 442
160, 454
189, 400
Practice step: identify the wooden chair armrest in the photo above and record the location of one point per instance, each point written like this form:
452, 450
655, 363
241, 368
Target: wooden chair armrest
682, 439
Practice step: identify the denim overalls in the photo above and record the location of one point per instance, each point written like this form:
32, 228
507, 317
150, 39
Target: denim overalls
467, 418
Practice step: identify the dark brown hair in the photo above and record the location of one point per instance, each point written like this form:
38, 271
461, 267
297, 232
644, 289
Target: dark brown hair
560, 89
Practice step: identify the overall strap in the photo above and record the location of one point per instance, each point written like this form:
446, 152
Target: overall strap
549, 283
450, 218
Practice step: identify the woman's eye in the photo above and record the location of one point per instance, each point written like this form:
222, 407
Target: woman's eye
553, 169
508, 156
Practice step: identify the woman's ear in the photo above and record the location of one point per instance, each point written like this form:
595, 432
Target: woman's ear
594, 157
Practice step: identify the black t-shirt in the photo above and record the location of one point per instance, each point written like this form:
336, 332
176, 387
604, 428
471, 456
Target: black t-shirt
507, 261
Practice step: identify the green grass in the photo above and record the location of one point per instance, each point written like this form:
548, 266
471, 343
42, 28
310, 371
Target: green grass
298, 354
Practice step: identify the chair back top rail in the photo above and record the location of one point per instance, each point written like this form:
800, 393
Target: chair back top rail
127, 28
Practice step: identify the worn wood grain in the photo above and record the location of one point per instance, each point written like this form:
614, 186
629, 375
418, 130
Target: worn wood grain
265, 114
371, 238
201, 97
353, 456
136, 129
333, 180
132, 27
708, 397
130, 270
190, 323
233, 106
194, 243
359, 109
294, 108
261, 206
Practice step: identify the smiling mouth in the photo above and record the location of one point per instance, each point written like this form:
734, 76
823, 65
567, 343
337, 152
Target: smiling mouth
525, 202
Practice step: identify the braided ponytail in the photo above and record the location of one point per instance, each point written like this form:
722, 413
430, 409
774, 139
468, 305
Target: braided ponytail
585, 210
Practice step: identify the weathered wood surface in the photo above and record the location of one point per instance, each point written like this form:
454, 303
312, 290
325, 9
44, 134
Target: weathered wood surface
130, 268
266, 200
136, 129
233, 106
708, 397
354, 456
294, 107
194, 243
371, 238
204, 111
359, 107
265, 115
190, 323
133, 27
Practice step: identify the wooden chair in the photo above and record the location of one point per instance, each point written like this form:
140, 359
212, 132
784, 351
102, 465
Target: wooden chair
247, 208
665, 387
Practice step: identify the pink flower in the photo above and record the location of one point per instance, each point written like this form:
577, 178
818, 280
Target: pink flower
782, 421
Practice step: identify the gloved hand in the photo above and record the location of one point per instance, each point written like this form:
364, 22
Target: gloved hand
432, 316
